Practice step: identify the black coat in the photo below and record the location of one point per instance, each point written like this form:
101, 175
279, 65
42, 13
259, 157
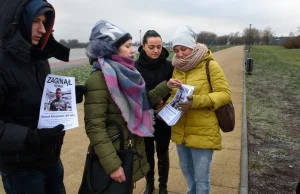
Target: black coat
23, 70
154, 72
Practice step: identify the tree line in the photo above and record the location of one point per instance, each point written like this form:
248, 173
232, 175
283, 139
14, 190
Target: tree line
248, 36
73, 43
251, 36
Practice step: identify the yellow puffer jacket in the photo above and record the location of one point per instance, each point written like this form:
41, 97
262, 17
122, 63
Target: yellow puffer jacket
198, 127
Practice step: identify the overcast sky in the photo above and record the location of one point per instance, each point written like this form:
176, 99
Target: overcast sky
75, 18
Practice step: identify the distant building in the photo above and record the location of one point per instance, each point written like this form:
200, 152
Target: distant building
278, 40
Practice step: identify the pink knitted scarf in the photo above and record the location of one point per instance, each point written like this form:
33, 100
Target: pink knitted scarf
198, 53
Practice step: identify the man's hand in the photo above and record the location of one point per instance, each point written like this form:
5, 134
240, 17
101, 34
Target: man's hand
185, 106
174, 83
118, 175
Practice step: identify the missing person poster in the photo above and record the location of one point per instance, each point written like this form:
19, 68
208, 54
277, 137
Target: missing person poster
170, 113
58, 105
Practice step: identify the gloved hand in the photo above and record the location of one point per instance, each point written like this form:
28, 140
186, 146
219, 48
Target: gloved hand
185, 106
79, 90
37, 137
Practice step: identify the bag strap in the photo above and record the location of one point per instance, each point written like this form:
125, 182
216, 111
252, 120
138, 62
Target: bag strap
119, 127
120, 135
207, 72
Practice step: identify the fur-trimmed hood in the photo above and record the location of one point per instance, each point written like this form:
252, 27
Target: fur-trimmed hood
100, 49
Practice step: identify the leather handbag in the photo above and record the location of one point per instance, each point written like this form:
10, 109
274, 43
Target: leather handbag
225, 114
96, 181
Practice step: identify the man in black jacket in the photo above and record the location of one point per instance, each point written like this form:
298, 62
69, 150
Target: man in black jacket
155, 68
29, 157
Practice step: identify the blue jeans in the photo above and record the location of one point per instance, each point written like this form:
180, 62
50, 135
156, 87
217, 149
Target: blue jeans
48, 181
195, 167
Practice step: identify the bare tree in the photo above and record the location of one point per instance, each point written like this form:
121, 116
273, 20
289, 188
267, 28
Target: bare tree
253, 35
292, 34
63, 42
233, 37
73, 43
222, 40
267, 34
208, 38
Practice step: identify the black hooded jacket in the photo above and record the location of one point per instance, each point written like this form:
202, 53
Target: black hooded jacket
23, 69
154, 71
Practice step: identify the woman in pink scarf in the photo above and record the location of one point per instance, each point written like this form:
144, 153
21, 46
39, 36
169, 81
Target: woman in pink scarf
116, 92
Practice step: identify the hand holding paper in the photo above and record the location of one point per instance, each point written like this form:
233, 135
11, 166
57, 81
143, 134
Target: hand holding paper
172, 112
185, 106
160, 105
174, 83
37, 137
58, 105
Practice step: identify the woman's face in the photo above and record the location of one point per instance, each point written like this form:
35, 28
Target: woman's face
182, 51
126, 50
153, 47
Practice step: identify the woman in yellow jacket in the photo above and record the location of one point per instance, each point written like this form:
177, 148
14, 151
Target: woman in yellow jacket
197, 132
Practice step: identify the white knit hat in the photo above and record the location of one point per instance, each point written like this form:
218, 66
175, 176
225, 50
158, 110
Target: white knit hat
184, 36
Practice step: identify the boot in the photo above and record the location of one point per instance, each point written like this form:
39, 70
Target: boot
163, 165
163, 191
149, 187
149, 143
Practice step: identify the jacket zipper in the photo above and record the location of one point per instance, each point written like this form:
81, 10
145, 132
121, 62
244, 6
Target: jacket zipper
183, 120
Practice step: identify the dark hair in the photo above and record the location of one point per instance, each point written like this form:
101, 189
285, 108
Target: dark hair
148, 34
122, 40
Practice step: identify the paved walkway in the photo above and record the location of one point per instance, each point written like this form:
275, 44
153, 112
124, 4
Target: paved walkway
225, 170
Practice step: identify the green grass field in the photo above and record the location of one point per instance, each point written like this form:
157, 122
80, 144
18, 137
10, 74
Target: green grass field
273, 101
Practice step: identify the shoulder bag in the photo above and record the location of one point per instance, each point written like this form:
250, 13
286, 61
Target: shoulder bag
225, 114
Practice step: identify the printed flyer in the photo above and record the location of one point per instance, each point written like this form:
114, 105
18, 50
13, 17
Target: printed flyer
170, 113
58, 105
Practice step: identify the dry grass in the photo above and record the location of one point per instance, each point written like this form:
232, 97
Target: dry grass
273, 101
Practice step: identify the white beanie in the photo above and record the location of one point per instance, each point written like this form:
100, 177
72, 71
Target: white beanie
184, 36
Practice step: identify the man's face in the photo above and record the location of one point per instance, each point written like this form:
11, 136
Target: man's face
38, 29
58, 94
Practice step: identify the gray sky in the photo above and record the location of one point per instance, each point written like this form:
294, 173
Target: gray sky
75, 18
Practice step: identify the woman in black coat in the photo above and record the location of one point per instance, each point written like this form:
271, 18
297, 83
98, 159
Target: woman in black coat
155, 68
